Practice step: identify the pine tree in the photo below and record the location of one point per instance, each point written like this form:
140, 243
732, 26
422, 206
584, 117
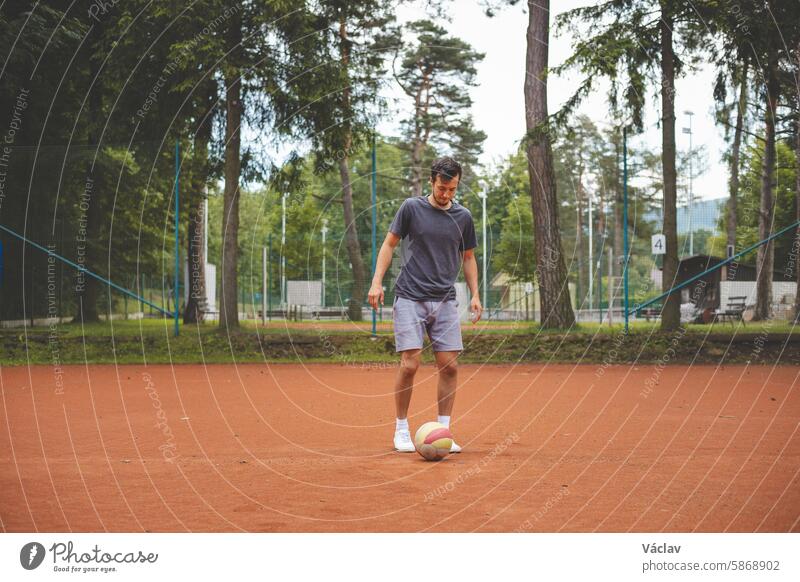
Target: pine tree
436, 71
556, 309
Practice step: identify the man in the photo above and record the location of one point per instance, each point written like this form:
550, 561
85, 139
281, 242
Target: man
440, 237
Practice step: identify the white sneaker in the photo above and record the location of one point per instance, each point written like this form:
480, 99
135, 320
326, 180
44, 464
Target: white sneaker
403, 442
454, 448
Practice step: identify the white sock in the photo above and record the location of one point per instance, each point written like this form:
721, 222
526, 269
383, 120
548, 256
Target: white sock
401, 424
445, 420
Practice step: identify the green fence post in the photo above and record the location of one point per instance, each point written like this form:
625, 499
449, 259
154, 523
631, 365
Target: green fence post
269, 279
600, 282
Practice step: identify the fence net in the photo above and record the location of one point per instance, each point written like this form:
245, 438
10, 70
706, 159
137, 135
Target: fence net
111, 210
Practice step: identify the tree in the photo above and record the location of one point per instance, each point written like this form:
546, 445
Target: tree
766, 252
232, 73
44, 40
336, 67
515, 254
162, 70
115, 82
200, 174
771, 52
670, 315
506, 190
181, 47
784, 201
556, 310
741, 111
106, 203
578, 156
97, 203
768, 51
738, 73
436, 71
625, 41
797, 190
238, 52
611, 172
191, 66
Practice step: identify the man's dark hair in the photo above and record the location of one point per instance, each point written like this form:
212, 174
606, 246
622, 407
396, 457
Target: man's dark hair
445, 167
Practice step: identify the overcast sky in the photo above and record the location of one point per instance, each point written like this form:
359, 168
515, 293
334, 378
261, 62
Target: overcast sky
499, 103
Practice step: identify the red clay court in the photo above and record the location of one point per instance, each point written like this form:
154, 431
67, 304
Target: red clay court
293, 448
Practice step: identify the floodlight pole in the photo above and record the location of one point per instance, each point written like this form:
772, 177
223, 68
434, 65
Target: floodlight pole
269, 277
374, 225
626, 255
610, 309
591, 254
283, 249
263, 285
324, 233
691, 192
485, 298
177, 246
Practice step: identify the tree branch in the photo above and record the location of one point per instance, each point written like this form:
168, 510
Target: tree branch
331, 199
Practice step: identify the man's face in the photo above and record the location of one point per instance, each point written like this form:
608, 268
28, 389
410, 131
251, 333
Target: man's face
444, 190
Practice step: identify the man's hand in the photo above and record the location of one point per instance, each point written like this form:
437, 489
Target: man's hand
375, 295
476, 309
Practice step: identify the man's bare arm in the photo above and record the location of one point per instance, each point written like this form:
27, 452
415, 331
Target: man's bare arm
382, 263
471, 276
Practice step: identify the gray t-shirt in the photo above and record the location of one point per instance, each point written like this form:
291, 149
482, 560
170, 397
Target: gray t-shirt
433, 240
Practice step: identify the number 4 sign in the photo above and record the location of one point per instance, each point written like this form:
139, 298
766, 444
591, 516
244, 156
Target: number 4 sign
658, 244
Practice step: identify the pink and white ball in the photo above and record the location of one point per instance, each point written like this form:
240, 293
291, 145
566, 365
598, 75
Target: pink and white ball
433, 441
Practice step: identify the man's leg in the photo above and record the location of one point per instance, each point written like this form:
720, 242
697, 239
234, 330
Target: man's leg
447, 363
403, 385
445, 333
404, 381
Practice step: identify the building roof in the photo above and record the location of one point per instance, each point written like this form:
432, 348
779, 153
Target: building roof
707, 261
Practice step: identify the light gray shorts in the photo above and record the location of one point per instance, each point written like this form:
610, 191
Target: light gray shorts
439, 318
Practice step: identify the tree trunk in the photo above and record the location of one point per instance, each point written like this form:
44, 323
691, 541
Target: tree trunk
671, 314
737, 142
195, 305
357, 293
421, 134
766, 252
91, 287
90, 292
580, 291
229, 311
417, 148
354, 311
196, 227
556, 309
796, 246
601, 234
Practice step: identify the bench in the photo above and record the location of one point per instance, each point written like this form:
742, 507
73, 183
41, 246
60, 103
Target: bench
650, 312
734, 310
337, 313
293, 313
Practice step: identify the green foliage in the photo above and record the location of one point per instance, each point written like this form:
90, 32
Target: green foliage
515, 253
436, 70
785, 198
336, 60
313, 198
